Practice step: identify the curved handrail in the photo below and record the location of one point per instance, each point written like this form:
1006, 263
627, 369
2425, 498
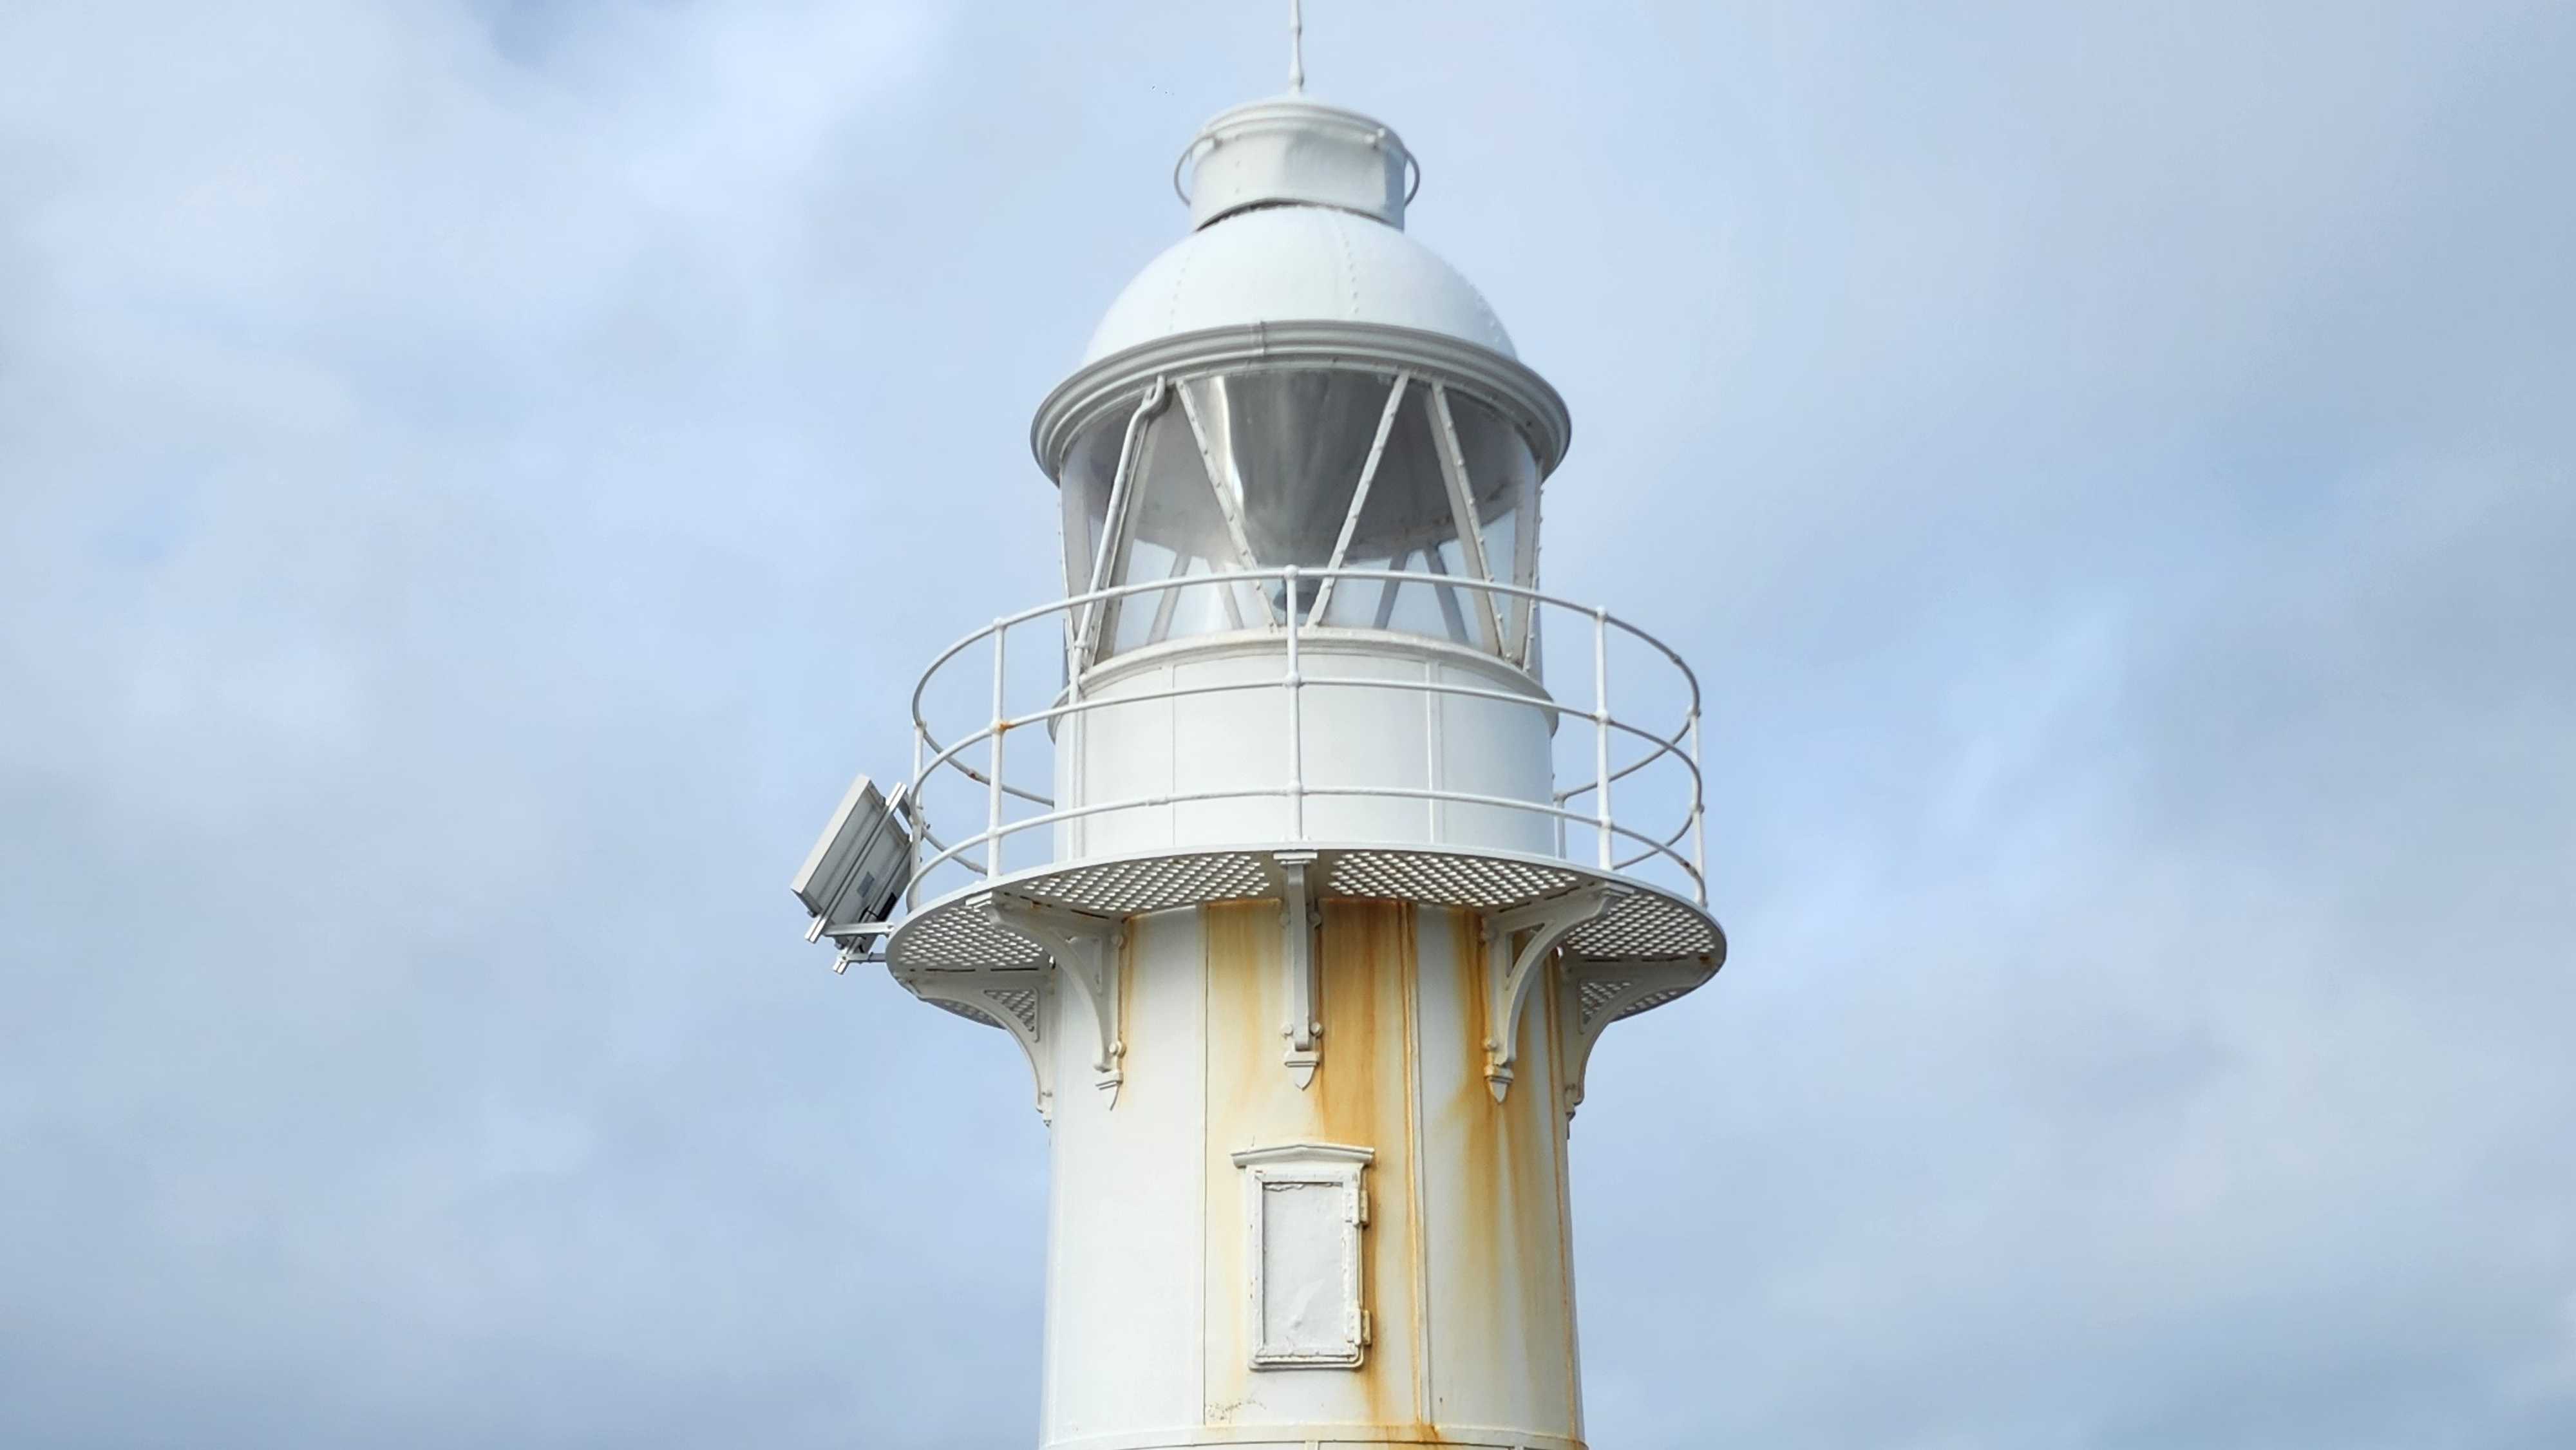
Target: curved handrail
952, 757
1663, 746
1288, 573
954, 854
932, 755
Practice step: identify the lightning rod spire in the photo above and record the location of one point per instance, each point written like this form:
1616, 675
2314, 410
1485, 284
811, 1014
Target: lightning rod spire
1296, 47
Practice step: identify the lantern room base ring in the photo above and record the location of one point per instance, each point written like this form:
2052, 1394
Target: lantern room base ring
1628, 946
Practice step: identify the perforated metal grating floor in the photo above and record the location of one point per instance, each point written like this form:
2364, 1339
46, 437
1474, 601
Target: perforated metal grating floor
1596, 994
1157, 883
960, 1009
954, 933
1484, 882
1650, 1002
1647, 926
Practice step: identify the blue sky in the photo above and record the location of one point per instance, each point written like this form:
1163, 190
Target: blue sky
475, 479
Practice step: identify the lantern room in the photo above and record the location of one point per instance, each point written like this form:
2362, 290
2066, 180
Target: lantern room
1299, 384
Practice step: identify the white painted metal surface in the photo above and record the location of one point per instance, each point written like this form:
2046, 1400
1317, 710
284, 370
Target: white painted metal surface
1297, 264
1395, 740
1270, 846
1291, 150
1297, 211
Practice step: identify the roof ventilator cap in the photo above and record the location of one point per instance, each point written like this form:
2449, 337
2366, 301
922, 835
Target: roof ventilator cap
1295, 151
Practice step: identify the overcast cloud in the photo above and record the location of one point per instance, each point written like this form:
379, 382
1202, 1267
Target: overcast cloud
475, 476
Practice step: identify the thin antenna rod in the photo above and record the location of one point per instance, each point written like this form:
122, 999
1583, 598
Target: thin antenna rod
1296, 47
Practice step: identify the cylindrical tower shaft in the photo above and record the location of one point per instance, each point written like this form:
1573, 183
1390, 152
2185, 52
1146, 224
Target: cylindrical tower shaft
1168, 1279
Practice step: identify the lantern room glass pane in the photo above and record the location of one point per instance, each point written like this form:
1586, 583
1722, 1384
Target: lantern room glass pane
1174, 530
1288, 446
1407, 510
1090, 472
1504, 477
1294, 443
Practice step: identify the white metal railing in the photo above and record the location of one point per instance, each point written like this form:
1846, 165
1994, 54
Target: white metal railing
977, 758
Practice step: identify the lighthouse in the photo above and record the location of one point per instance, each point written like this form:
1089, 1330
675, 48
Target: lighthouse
1304, 844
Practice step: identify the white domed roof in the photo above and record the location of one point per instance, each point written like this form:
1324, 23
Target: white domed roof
1292, 263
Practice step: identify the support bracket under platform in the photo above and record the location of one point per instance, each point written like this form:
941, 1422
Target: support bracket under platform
1085, 949
1509, 973
1304, 1028
1011, 998
1598, 993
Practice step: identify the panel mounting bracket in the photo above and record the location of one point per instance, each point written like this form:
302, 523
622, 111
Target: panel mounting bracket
852, 939
1086, 953
1508, 974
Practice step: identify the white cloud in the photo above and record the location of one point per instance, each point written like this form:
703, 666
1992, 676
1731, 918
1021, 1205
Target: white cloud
469, 474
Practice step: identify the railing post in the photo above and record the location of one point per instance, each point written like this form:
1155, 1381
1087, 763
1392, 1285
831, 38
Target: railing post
1296, 683
1558, 798
1601, 728
1064, 760
993, 771
1699, 804
912, 803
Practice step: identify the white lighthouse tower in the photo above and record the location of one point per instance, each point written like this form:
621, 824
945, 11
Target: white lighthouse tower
1305, 847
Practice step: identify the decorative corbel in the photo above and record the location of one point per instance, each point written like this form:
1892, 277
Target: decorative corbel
1508, 974
1598, 993
1304, 1028
1011, 998
1085, 951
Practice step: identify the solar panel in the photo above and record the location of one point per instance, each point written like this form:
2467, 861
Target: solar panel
856, 871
